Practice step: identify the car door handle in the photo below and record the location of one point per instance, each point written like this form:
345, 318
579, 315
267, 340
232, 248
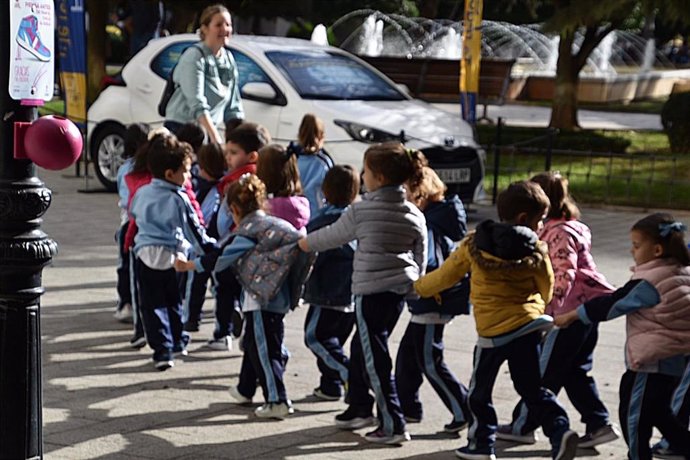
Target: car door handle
146, 89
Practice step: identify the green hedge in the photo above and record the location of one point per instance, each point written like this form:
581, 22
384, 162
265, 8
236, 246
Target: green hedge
597, 141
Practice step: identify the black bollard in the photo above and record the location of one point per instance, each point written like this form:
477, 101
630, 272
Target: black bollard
24, 251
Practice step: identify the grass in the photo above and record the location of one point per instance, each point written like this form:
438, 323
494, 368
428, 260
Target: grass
55, 106
651, 106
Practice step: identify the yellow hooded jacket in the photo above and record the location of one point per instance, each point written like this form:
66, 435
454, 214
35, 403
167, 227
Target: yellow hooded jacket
505, 293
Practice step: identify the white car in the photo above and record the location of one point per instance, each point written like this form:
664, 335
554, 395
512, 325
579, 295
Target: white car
281, 79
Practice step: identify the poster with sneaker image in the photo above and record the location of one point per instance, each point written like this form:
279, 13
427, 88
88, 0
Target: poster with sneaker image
32, 72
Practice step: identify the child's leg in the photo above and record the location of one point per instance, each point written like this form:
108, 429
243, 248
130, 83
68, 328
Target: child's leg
228, 311
376, 316
486, 363
268, 359
358, 396
123, 278
523, 363
153, 293
136, 303
195, 295
323, 329
248, 375
408, 371
680, 405
180, 337
450, 390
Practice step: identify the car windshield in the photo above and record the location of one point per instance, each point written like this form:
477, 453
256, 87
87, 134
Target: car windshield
330, 76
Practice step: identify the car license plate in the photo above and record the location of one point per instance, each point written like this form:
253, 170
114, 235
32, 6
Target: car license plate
454, 175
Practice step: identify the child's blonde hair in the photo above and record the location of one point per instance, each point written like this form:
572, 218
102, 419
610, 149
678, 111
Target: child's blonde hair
397, 164
277, 168
562, 205
311, 133
248, 194
430, 188
664, 230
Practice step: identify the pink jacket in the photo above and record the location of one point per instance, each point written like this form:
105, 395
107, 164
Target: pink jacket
662, 331
576, 277
294, 209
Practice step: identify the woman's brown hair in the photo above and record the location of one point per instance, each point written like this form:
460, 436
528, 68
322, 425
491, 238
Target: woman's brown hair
207, 15
277, 168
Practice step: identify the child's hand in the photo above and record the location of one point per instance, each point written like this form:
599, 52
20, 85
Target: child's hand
302, 243
566, 319
182, 265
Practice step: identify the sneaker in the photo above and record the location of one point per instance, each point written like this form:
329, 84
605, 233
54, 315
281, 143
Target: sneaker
28, 38
239, 397
180, 353
164, 365
222, 344
274, 410
475, 454
320, 394
505, 433
378, 436
412, 419
124, 314
455, 426
138, 341
662, 450
606, 433
353, 419
567, 447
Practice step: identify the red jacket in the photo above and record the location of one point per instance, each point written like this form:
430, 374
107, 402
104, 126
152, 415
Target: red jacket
249, 168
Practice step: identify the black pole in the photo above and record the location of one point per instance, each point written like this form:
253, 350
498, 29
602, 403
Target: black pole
549, 148
497, 158
24, 251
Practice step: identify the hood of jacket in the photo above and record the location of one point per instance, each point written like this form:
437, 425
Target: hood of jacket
294, 209
447, 218
499, 245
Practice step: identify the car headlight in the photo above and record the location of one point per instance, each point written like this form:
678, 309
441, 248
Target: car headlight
363, 133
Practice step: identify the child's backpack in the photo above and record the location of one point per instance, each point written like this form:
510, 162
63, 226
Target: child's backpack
171, 86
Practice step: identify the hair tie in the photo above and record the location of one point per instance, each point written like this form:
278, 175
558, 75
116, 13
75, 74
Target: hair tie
666, 229
244, 181
290, 151
410, 152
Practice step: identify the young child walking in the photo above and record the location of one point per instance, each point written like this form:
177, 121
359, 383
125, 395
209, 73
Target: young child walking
168, 225
421, 349
261, 253
511, 282
567, 354
312, 160
391, 254
656, 302
331, 315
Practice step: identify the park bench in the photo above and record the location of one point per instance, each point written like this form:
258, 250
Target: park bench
437, 80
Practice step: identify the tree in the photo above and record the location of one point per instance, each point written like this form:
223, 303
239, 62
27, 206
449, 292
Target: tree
595, 19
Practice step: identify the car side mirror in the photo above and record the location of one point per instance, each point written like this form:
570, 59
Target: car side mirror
259, 90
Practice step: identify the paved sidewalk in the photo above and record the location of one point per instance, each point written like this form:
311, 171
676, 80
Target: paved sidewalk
105, 400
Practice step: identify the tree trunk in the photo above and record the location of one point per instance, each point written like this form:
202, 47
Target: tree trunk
95, 52
429, 9
564, 107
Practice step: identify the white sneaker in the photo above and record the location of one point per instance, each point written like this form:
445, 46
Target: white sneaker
505, 433
274, 410
164, 365
124, 314
239, 397
222, 344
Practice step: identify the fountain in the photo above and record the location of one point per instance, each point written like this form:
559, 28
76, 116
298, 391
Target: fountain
319, 35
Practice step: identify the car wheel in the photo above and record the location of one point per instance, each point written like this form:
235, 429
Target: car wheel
106, 153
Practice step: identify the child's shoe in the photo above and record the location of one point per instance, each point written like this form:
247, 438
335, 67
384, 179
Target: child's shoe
606, 433
456, 426
222, 344
663, 450
124, 314
274, 410
567, 447
354, 418
164, 365
505, 433
320, 394
475, 454
239, 397
413, 419
191, 326
137, 342
378, 436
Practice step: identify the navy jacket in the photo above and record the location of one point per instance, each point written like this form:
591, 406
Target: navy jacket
446, 223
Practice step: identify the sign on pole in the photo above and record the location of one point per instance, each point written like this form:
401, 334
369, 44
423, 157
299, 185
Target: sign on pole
471, 56
32, 73
72, 49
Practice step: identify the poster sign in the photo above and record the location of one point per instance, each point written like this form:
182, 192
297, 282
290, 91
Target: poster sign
32, 72
71, 49
471, 56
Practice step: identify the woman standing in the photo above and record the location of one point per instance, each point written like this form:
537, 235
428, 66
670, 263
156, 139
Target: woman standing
206, 79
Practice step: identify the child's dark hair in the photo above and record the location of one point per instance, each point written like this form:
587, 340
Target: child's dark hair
167, 153
248, 194
523, 196
135, 136
311, 133
141, 157
277, 168
396, 163
212, 159
341, 185
250, 136
193, 134
664, 230
562, 205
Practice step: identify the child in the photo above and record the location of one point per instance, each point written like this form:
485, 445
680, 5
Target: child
656, 303
511, 281
330, 318
135, 137
167, 224
193, 134
390, 255
211, 170
261, 252
567, 354
277, 168
313, 162
421, 348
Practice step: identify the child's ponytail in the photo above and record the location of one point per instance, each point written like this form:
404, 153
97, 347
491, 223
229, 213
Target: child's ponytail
248, 194
311, 133
562, 205
664, 230
398, 165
